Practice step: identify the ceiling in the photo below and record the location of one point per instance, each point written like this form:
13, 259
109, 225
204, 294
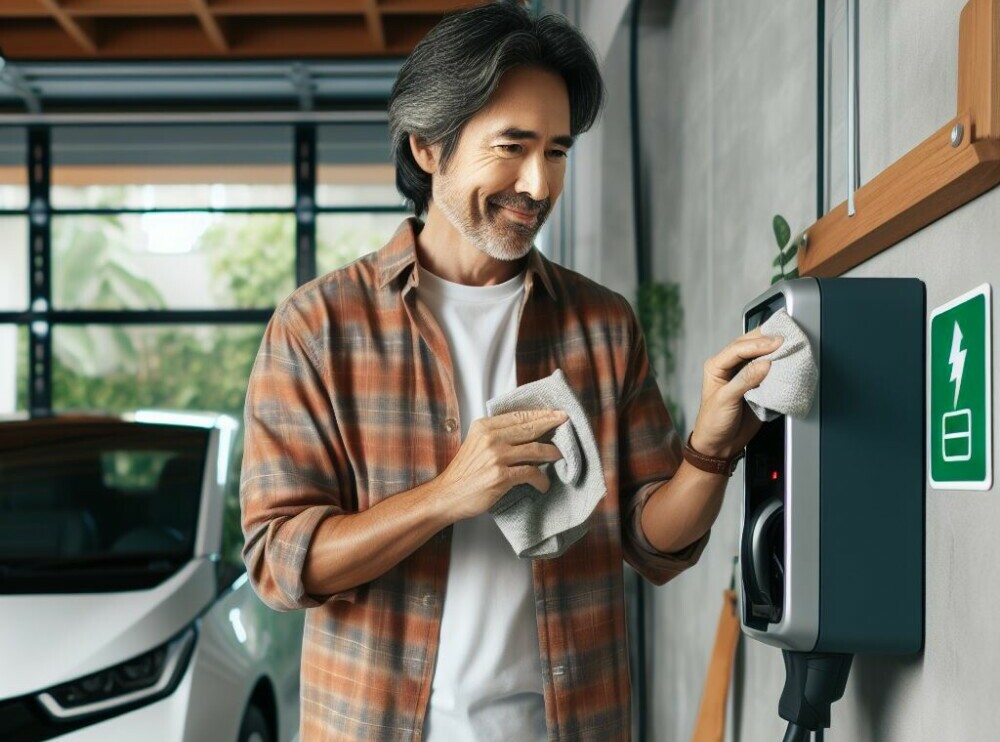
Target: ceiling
216, 29
69, 56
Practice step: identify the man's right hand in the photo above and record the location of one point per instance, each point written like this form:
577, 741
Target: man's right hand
348, 550
499, 452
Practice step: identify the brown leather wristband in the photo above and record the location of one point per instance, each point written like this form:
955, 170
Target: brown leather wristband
711, 464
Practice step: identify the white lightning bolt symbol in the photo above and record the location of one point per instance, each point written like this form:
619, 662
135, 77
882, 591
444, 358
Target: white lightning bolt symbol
957, 361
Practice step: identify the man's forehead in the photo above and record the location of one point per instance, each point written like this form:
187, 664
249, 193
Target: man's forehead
527, 99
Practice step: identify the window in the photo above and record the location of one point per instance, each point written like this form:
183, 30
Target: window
115, 368
359, 206
156, 255
354, 166
178, 166
13, 263
172, 260
13, 368
133, 471
71, 527
13, 174
231, 563
341, 238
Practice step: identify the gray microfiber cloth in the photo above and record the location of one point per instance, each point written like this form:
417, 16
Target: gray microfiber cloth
544, 525
790, 384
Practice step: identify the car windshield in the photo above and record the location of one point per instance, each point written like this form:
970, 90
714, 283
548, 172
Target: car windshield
96, 504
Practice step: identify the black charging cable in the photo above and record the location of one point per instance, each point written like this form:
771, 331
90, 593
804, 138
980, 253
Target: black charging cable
795, 733
813, 681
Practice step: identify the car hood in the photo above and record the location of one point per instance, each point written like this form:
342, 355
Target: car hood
50, 639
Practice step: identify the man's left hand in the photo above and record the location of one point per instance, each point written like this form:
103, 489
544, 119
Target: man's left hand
725, 422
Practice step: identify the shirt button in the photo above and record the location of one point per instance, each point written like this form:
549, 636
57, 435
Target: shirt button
450, 424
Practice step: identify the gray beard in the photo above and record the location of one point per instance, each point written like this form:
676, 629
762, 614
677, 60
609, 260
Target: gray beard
508, 242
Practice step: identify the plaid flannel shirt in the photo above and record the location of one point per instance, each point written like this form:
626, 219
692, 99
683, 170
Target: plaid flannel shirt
351, 400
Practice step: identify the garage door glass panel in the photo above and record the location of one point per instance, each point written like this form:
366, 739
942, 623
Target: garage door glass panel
341, 238
188, 260
13, 263
13, 168
13, 368
355, 166
122, 368
175, 166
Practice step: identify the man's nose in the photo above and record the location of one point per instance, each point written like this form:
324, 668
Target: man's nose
533, 179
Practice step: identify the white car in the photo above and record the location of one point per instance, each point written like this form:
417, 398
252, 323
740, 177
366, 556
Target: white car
125, 610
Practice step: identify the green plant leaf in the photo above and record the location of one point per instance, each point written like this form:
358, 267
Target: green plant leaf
789, 255
793, 273
775, 279
782, 232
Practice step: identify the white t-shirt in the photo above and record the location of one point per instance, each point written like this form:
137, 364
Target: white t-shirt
488, 679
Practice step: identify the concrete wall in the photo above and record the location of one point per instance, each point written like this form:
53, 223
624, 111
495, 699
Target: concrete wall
729, 139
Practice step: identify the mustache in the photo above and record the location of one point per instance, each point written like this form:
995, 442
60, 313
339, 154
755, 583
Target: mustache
523, 203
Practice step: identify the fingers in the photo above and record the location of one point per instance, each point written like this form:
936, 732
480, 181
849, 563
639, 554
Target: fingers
749, 377
738, 352
521, 426
531, 475
533, 453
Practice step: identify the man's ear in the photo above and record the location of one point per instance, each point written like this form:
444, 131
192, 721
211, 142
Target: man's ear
426, 155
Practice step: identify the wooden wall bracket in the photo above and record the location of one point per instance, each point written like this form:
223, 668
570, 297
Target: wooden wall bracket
935, 177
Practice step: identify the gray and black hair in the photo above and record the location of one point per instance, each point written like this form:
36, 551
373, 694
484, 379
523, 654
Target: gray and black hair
453, 71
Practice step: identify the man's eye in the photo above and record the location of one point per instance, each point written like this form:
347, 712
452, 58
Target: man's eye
512, 148
560, 153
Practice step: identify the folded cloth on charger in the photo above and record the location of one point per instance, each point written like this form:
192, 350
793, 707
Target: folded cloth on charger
544, 525
790, 384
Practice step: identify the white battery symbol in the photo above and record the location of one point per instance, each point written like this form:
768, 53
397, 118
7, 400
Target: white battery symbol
956, 435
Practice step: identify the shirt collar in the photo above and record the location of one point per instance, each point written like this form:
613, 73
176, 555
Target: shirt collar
400, 254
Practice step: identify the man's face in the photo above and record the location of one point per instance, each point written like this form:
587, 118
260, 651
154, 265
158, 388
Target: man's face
508, 167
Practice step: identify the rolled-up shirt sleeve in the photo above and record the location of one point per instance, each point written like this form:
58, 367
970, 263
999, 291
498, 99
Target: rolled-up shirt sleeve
295, 469
649, 456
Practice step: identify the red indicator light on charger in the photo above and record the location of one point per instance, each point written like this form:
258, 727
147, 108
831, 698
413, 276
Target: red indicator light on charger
774, 474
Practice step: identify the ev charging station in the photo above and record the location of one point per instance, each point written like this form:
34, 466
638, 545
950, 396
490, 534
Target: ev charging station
831, 557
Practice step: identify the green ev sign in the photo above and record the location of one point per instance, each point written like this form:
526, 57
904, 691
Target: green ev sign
960, 411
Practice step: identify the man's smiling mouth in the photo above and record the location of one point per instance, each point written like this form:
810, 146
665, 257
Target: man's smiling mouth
523, 216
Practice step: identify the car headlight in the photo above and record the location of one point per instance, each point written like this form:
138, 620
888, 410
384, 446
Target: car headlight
144, 678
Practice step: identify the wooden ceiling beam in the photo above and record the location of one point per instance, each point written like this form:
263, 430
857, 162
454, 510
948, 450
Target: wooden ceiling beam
118, 8
23, 9
210, 25
168, 8
288, 7
426, 7
214, 29
37, 40
282, 38
374, 21
83, 33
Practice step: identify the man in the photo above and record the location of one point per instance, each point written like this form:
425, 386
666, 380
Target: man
371, 464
